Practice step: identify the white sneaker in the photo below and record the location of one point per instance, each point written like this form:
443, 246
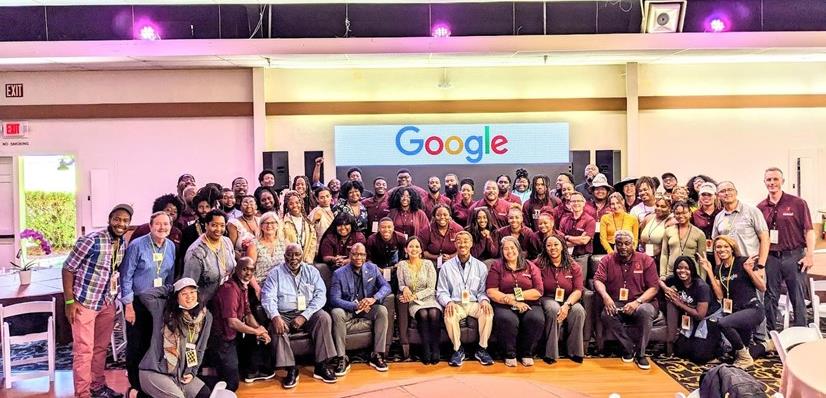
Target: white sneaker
527, 362
510, 362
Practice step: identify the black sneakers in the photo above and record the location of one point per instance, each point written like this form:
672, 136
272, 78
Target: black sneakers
377, 362
324, 373
106, 392
342, 367
255, 376
642, 362
483, 357
292, 378
457, 358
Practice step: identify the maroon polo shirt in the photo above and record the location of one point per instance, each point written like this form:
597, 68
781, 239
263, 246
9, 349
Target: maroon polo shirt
790, 217
486, 248
511, 197
638, 275
409, 223
584, 225
429, 203
436, 244
704, 221
528, 240
462, 212
376, 209
591, 210
505, 280
380, 251
230, 301
331, 245
499, 211
531, 210
569, 279
560, 212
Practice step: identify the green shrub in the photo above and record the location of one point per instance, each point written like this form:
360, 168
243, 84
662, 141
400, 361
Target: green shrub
53, 214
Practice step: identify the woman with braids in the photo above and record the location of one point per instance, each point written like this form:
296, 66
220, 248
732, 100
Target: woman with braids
297, 227
180, 331
540, 200
563, 283
301, 184
406, 212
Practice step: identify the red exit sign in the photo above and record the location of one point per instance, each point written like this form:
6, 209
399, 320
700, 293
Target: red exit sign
15, 129
14, 90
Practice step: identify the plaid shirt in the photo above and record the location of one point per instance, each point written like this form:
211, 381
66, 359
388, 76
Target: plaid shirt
92, 264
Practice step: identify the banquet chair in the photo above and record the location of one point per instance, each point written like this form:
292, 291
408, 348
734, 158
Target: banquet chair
793, 336
32, 307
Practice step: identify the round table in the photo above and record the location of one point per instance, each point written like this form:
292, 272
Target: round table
803, 374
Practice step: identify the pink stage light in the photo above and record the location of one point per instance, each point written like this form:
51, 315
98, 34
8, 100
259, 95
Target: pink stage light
717, 25
147, 31
440, 31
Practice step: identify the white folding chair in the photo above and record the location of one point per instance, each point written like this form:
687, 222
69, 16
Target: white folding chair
818, 308
120, 316
32, 307
790, 337
784, 304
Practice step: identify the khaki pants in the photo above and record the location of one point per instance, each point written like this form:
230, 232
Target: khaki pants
462, 311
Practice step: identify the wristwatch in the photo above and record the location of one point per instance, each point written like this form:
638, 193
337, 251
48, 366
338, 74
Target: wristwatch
638, 300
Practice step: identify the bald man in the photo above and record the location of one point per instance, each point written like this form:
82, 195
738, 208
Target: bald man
358, 291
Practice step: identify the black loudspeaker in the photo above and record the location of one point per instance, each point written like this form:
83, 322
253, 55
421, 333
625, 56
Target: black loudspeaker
610, 163
579, 159
278, 162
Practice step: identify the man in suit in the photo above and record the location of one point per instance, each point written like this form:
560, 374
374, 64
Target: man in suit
357, 291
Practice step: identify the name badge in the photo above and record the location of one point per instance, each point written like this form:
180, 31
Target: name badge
709, 244
157, 282
405, 236
387, 273
439, 262
113, 283
774, 237
517, 292
559, 294
728, 306
536, 214
375, 226
465, 296
623, 294
570, 250
301, 302
157, 257
191, 354
686, 322
649, 249
596, 228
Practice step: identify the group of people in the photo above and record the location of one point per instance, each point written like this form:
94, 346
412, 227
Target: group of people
220, 273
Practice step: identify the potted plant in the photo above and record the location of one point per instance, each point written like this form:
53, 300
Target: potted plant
22, 264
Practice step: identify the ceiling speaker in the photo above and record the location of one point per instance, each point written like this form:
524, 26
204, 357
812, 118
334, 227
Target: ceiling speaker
663, 16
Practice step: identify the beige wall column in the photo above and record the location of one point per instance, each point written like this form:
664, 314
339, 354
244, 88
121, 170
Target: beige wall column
632, 121
259, 120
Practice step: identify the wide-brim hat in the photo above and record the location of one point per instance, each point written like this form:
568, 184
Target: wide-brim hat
627, 180
600, 181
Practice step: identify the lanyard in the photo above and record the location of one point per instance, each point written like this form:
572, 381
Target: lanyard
162, 250
681, 241
115, 250
462, 268
222, 260
299, 229
191, 334
651, 231
614, 222
728, 279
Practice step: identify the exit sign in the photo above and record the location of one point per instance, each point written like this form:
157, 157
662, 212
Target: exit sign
14, 90
15, 129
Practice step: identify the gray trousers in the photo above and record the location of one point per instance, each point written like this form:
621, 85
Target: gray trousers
785, 269
377, 315
158, 385
642, 319
575, 322
318, 326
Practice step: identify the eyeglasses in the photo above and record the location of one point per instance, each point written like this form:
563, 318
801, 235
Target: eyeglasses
726, 190
269, 223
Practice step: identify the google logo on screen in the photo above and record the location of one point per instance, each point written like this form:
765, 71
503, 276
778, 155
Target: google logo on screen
474, 146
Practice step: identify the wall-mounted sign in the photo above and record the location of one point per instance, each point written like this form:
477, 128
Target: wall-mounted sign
15, 129
14, 90
452, 144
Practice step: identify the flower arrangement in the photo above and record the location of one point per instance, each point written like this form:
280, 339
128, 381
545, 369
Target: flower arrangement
22, 263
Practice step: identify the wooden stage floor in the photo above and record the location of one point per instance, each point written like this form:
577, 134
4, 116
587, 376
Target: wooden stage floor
597, 377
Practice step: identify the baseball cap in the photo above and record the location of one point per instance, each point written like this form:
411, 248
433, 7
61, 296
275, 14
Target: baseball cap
123, 206
708, 187
184, 282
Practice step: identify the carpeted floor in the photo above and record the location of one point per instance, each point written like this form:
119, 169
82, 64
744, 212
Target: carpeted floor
766, 370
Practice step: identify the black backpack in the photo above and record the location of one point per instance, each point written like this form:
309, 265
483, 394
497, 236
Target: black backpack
729, 381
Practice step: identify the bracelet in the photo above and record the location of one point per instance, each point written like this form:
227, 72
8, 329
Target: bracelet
71, 301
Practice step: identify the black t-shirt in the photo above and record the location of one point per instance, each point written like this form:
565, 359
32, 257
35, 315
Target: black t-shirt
698, 292
737, 284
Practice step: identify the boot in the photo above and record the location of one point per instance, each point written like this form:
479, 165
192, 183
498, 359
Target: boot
743, 359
